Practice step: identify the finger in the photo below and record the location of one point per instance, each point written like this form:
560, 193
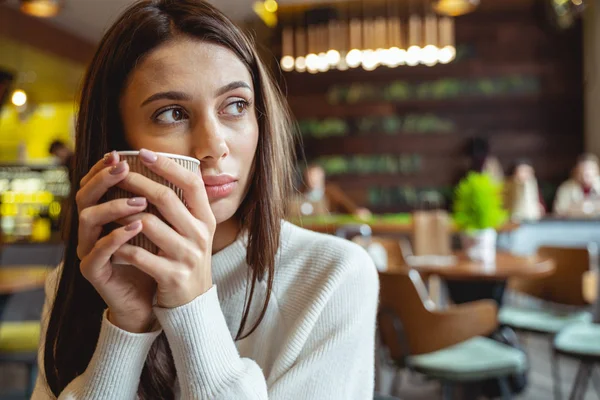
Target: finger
129, 219
173, 245
92, 220
109, 159
155, 266
166, 201
191, 183
100, 183
96, 266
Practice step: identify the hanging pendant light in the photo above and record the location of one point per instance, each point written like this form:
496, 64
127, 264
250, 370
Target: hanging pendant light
447, 51
19, 98
429, 53
300, 45
415, 33
454, 8
287, 44
41, 8
327, 40
354, 56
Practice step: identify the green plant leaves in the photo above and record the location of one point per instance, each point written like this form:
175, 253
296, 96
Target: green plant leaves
478, 203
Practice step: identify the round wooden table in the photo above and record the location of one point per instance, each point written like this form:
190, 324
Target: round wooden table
507, 266
467, 280
21, 278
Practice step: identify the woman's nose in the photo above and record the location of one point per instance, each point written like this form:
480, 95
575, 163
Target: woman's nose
209, 142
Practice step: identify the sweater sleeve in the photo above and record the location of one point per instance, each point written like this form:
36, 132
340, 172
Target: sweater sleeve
336, 362
115, 368
206, 359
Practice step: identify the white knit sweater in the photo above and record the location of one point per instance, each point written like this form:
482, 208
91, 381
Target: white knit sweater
316, 341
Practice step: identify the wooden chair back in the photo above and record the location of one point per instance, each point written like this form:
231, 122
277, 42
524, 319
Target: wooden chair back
424, 329
565, 285
395, 255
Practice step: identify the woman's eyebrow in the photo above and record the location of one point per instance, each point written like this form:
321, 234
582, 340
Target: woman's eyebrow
232, 86
180, 96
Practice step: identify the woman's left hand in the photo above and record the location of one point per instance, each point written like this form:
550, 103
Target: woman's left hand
182, 269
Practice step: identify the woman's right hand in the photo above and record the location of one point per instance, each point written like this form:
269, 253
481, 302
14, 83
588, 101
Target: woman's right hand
127, 291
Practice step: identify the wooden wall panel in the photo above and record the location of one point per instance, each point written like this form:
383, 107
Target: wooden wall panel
544, 125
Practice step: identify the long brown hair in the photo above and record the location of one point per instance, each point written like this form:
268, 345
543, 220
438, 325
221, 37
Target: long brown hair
75, 321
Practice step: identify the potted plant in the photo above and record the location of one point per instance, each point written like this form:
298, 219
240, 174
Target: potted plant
478, 212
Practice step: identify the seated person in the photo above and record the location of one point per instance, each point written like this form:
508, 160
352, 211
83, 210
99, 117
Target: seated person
580, 195
61, 151
63, 154
522, 195
321, 198
483, 161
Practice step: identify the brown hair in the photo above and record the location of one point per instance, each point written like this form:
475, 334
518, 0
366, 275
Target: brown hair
76, 316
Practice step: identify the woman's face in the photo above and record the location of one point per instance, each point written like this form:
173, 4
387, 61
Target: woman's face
195, 98
524, 173
587, 173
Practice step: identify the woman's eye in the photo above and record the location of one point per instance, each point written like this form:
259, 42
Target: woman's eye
236, 108
171, 116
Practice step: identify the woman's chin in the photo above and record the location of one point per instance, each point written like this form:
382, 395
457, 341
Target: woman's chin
223, 210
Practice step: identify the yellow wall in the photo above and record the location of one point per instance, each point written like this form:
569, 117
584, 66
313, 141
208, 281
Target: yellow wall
46, 123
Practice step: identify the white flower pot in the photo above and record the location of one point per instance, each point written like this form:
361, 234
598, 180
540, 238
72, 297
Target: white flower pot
480, 245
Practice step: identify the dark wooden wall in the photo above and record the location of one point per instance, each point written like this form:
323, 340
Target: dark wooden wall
543, 122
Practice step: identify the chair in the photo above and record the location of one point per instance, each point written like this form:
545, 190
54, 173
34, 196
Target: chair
394, 251
581, 341
445, 345
563, 288
19, 344
19, 338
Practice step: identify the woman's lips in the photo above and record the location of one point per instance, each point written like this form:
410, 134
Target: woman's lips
219, 186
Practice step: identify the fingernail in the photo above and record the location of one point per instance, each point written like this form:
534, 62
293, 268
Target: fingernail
133, 226
137, 201
117, 169
109, 157
148, 156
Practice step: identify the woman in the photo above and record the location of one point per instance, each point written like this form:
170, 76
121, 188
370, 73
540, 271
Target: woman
522, 194
483, 161
580, 195
295, 312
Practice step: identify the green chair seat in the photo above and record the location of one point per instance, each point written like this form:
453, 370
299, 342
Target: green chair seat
19, 337
579, 339
540, 320
475, 359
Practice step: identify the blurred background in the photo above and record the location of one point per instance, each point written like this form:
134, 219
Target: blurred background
456, 140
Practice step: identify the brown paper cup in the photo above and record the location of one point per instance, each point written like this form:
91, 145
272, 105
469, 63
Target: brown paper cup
135, 165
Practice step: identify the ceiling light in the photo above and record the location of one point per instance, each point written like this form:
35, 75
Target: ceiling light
271, 6
19, 98
41, 8
455, 8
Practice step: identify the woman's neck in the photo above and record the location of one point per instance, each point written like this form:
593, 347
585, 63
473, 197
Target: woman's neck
225, 234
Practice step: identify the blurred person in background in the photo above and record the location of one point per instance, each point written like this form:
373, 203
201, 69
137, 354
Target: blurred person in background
580, 195
321, 198
63, 154
522, 195
483, 161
